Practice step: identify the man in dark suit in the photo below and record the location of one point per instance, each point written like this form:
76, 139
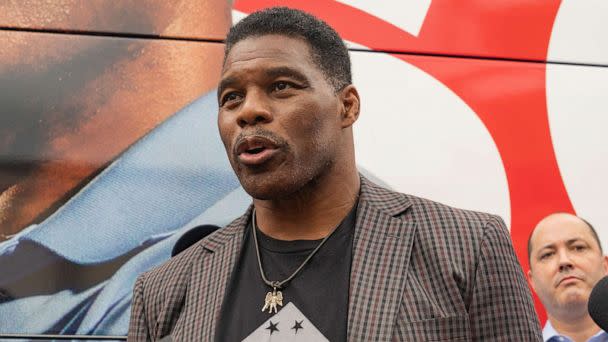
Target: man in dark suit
323, 253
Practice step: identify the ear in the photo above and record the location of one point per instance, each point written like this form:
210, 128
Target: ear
530, 281
605, 264
349, 97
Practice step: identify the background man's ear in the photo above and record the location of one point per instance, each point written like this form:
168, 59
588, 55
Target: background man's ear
351, 105
530, 281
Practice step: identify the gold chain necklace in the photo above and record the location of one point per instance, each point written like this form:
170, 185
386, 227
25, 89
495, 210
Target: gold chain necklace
275, 297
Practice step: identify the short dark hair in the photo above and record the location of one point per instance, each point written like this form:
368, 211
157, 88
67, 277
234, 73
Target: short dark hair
593, 233
328, 51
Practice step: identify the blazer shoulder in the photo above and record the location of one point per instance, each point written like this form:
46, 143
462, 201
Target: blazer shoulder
431, 217
421, 210
435, 215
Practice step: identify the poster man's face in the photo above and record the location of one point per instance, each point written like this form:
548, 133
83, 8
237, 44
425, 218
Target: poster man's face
71, 103
565, 263
279, 117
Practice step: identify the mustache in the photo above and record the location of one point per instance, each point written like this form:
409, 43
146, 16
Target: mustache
262, 133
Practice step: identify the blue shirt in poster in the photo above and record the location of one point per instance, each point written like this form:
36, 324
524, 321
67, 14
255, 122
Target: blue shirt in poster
73, 273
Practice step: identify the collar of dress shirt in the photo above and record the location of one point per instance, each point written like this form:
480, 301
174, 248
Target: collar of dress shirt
550, 334
158, 185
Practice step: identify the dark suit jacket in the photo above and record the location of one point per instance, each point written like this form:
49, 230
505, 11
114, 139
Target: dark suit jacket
421, 271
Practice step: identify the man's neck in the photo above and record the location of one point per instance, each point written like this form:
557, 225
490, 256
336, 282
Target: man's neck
579, 328
312, 213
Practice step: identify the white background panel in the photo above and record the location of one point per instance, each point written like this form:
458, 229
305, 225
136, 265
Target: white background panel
577, 102
406, 136
408, 15
580, 32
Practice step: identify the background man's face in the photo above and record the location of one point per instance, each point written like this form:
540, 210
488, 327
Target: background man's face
565, 263
279, 117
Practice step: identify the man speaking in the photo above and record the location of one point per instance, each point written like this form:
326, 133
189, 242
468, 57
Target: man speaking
323, 253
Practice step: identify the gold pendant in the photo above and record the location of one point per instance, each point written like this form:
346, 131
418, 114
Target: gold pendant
273, 298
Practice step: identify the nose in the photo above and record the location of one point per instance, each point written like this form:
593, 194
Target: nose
255, 110
565, 263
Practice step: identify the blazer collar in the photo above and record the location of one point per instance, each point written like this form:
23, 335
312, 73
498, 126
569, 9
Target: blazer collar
389, 202
211, 270
221, 237
381, 251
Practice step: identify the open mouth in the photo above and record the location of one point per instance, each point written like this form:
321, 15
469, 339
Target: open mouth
255, 150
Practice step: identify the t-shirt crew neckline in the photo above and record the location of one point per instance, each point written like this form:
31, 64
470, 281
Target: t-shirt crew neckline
298, 246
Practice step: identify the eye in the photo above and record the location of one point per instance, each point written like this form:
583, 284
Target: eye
546, 255
229, 97
579, 248
281, 85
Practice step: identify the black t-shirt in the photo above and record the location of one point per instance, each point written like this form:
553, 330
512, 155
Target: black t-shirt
315, 302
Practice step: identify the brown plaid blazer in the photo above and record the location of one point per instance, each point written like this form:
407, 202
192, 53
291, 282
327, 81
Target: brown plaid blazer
421, 271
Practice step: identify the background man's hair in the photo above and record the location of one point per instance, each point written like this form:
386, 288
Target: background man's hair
328, 51
593, 233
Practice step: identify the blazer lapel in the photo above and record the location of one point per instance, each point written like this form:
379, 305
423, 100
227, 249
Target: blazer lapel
381, 252
211, 272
